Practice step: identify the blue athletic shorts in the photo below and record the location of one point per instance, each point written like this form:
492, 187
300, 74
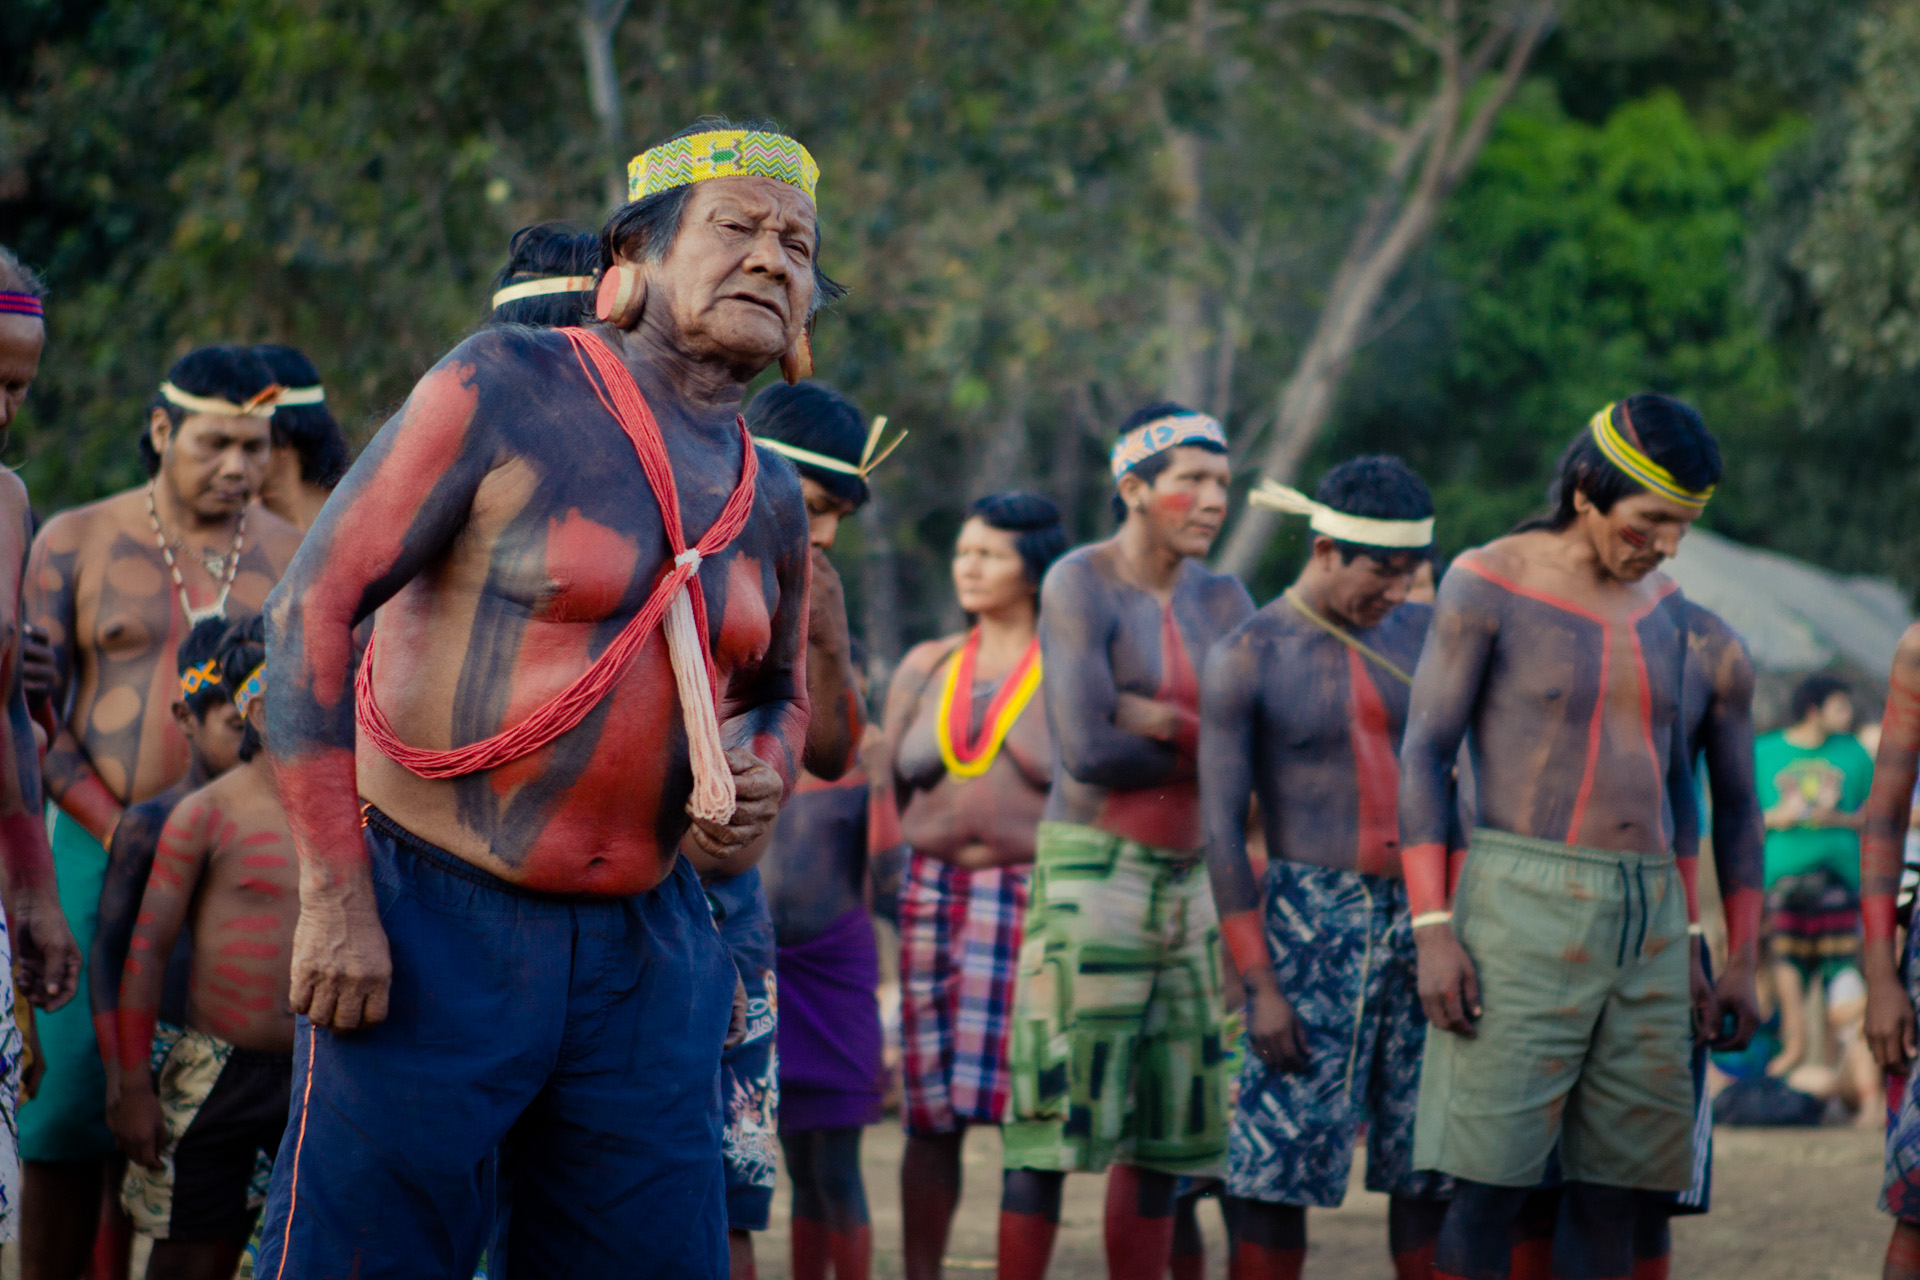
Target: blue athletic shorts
1342, 949
750, 1071
577, 1037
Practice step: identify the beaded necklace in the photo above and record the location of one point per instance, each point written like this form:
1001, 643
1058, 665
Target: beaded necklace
230, 561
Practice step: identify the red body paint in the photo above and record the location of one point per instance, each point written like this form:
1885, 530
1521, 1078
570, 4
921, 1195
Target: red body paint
1376, 770
1166, 816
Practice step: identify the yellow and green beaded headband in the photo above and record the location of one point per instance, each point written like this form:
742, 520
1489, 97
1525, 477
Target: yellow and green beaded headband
204, 676
722, 153
1643, 470
250, 690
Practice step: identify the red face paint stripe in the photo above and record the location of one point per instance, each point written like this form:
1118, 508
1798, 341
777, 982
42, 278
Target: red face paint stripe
1376, 771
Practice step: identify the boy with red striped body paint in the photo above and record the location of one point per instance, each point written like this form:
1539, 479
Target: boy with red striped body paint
194, 1128
1558, 983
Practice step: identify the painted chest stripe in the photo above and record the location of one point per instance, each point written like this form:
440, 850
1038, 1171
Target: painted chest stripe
1596, 724
1375, 767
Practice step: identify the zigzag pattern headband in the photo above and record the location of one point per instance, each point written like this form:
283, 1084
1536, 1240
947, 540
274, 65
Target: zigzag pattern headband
1644, 471
204, 676
722, 153
1366, 531
1162, 434
864, 468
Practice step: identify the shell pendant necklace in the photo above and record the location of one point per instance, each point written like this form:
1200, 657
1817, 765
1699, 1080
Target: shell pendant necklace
230, 562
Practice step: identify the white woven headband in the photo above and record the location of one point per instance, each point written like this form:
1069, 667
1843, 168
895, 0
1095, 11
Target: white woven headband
1362, 530
540, 288
261, 406
315, 394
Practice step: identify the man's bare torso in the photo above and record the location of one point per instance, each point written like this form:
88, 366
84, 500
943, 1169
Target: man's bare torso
1103, 637
511, 592
101, 588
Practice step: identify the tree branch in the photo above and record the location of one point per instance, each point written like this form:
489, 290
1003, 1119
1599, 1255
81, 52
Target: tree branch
1390, 14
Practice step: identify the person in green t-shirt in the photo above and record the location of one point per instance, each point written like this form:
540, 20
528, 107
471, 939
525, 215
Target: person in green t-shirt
1812, 777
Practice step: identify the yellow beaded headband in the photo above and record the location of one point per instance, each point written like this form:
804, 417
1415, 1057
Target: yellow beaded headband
250, 690
1641, 469
722, 153
542, 287
204, 676
864, 468
260, 406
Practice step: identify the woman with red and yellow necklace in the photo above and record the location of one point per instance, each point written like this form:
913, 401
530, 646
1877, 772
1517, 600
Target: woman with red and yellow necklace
971, 763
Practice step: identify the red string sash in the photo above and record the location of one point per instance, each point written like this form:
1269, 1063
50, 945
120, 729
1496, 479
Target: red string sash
621, 397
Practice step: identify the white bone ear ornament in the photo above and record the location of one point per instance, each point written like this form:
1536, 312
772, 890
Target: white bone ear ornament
622, 295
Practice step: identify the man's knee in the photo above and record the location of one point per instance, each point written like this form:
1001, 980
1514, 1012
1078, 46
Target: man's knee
1032, 1193
1476, 1236
1268, 1226
1147, 1193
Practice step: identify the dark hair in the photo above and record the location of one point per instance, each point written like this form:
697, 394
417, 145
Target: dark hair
1812, 693
1033, 520
644, 230
202, 643
242, 649
17, 277
543, 250
222, 372
1150, 469
309, 429
814, 417
1381, 487
1668, 431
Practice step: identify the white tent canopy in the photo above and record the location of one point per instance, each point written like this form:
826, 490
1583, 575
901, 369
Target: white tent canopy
1793, 615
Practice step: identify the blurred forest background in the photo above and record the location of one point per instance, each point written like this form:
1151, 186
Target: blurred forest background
1450, 229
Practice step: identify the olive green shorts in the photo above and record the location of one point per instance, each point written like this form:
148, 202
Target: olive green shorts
1587, 1031
1117, 1052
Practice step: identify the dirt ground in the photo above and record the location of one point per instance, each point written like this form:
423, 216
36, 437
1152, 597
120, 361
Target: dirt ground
1788, 1204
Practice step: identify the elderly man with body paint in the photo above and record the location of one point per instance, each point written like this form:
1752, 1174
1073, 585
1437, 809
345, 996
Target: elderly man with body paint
589, 595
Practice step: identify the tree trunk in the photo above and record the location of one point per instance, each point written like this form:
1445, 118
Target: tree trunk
597, 21
879, 592
1396, 223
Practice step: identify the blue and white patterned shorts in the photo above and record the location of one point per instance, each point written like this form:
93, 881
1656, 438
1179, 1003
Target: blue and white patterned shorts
1342, 948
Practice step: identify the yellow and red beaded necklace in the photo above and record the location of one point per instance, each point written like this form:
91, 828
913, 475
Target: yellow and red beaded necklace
967, 758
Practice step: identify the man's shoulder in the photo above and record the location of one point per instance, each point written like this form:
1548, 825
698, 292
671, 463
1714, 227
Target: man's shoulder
278, 536
65, 530
1408, 622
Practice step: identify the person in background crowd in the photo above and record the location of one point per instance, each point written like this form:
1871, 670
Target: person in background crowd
205, 713
1813, 777
967, 766
816, 874
1302, 709
117, 585
1558, 654
197, 1126
1116, 1055
35, 942
309, 452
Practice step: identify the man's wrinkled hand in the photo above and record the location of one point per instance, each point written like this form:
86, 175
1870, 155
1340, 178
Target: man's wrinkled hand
49, 957
756, 803
1734, 994
1449, 985
341, 966
1273, 1030
1889, 1027
39, 674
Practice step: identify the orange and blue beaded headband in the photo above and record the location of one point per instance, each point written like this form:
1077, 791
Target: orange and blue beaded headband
204, 676
21, 304
250, 690
1162, 434
722, 153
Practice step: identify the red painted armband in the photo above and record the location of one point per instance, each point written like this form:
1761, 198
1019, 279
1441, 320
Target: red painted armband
106, 1036
136, 1039
1743, 908
89, 803
1246, 938
1876, 917
1690, 885
1425, 866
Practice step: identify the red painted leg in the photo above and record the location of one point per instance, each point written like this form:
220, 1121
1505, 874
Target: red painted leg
1138, 1247
809, 1240
1026, 1245
852, 1253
